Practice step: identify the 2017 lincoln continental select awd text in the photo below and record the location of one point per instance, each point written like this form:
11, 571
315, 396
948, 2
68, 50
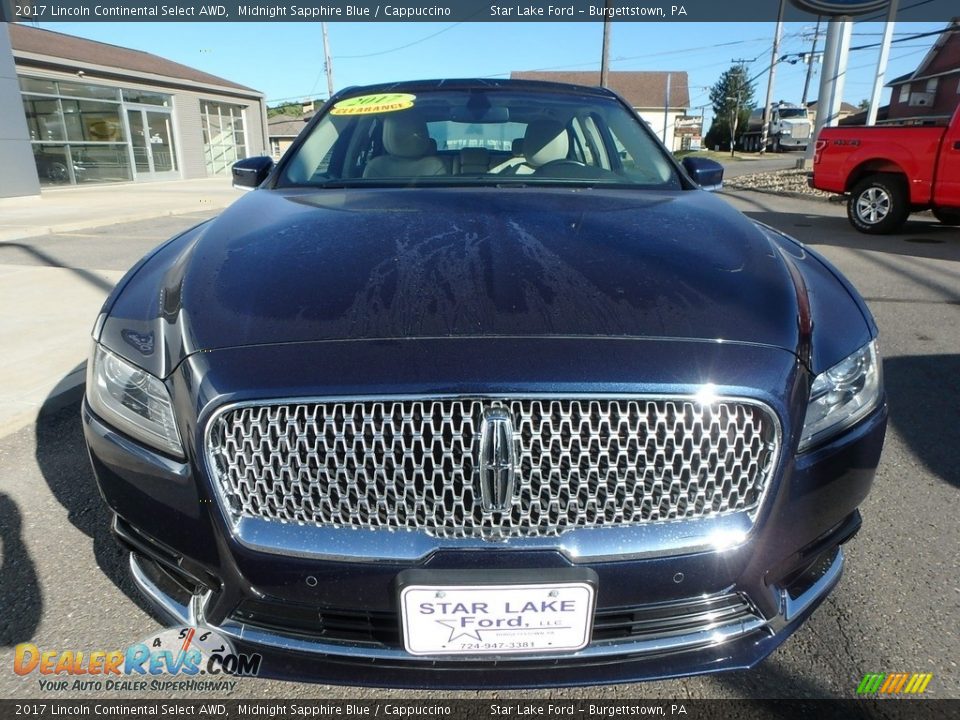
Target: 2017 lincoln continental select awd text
481, 387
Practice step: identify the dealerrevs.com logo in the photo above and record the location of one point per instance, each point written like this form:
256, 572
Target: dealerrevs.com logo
179, 659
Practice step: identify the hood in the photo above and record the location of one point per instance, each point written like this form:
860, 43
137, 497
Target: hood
299, 266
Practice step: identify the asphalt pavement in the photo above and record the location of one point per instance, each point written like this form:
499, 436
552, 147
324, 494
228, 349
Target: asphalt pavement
60, 253
753, 163
64, 583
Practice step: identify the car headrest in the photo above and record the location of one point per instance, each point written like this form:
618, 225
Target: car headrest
406, 136
516, 147
545, 141
474, 156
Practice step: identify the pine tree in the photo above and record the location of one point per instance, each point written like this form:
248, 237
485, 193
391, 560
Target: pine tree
732, 99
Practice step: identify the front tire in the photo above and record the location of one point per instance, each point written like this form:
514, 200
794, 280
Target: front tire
947, 217
878, 204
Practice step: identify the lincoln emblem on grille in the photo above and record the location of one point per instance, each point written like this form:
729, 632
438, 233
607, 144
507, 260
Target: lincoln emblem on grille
497, 461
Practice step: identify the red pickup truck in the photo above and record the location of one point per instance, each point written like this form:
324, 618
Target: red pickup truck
889, 172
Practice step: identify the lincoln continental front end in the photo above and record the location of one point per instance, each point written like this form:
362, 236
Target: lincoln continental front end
479, 387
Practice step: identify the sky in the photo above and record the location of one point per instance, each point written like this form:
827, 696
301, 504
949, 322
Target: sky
285, 60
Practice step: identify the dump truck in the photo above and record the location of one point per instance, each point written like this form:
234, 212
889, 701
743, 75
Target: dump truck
788, 128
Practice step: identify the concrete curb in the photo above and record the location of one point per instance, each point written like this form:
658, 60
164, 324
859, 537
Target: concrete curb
781, 193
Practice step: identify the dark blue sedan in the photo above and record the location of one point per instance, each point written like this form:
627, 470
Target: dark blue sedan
481, 387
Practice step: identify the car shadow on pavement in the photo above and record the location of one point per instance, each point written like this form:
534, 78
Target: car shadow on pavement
21, 602
769, 691
61, 455
922, 392
919, 238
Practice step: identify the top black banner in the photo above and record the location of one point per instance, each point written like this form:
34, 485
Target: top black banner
50, 11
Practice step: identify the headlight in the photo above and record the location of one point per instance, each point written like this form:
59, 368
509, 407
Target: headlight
133, 400
843, 395
786, 130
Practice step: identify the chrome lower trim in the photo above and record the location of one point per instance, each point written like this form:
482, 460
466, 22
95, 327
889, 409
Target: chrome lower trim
690, 641
178, 612
665, 539
792, 607
709, 636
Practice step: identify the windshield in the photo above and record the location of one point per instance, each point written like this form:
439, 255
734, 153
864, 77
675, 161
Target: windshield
479, 137
793, 113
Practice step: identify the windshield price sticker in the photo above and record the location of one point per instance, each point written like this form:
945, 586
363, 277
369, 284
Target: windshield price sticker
496, 619
371, 104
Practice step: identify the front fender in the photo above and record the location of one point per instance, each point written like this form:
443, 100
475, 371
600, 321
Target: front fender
833, 319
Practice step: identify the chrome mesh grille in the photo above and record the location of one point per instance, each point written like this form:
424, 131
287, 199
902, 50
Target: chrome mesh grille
413, 464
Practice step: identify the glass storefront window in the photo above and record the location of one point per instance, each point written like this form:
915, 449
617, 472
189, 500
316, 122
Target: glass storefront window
79, 132
144, 97
78, 164
92, 121
44, 119
100, 92
38, 85
53, 162
223, 138
101, 163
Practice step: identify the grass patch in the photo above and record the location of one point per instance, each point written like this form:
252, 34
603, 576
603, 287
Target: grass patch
722, 156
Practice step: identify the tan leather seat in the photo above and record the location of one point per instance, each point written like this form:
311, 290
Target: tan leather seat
410, 151
544, 141
474, 161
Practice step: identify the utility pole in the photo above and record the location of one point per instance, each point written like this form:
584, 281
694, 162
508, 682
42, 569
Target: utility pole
810, 61
735, 120
765, 128
327, 60
882, 64
666, 112
605, 54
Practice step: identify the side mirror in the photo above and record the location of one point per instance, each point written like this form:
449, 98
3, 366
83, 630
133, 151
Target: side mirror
250, 172
706, 173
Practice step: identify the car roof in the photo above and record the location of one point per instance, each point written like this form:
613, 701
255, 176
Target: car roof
480, 84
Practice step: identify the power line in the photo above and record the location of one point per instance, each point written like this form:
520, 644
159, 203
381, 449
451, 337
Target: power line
784, 58
647, 56
399, 47
883, 15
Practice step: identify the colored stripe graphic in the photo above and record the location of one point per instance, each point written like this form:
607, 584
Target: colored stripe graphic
894, 683
870, 683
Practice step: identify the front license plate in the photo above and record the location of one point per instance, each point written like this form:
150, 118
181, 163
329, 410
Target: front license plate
496, 619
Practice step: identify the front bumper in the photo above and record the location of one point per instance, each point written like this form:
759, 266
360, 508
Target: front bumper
714, 647
190, 567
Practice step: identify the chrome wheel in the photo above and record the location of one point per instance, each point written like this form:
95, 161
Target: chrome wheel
873, 205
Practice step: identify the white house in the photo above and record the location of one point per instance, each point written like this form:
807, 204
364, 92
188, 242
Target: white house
646, 91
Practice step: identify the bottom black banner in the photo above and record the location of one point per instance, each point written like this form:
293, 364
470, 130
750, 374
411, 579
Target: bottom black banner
892, 709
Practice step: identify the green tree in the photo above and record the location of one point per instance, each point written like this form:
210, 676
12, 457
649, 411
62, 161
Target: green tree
732, 99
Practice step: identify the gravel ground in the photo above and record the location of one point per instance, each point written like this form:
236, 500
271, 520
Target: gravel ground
779, 182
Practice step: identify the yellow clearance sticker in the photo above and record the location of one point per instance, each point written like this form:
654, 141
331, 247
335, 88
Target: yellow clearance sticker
371, 104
